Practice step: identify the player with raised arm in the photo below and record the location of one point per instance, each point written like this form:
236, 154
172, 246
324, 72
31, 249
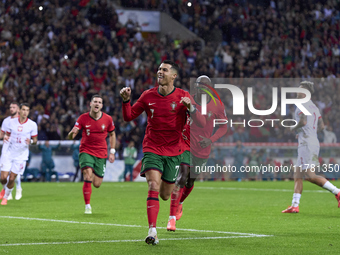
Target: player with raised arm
198, 142
20, 133
166, 108
14, 113
308, 150
93, 147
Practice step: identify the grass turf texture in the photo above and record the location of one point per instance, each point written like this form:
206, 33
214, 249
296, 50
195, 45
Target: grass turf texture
245, 207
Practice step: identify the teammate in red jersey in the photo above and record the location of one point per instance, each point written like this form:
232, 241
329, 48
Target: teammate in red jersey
93, 148
198, 142
166, 108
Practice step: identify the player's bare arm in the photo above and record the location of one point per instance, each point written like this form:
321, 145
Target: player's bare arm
125, 93
2, 134
6, 137
302, 122
73, 133
112, 139
321, 125
33, 142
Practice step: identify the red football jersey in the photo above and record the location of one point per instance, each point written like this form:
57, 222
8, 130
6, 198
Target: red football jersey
166, 119
94, 134
186, 133
213, 112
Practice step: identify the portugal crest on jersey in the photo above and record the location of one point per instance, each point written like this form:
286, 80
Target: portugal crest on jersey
103, 128
173, 106
209, 114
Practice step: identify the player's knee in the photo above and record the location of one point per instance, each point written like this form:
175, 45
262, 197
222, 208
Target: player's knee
96, 185
164, 197
153, 185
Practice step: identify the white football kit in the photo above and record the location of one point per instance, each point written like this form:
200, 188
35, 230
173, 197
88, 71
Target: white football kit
17, 152
4, 127
309, 146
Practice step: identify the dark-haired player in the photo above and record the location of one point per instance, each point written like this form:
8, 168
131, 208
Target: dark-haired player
93, 148
20, 133
166, 107
198, 142
14, 113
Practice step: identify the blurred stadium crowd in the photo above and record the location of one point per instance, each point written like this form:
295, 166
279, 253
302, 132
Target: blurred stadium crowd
56, 55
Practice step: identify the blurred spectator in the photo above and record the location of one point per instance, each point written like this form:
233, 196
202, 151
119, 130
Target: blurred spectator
254, 161
329, 135
47, 163
239, 152
31, 171
130, 155
75, 156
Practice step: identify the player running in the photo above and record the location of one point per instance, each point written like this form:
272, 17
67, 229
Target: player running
166, 108
93, 147
308, 150
14, 113
19, 133
198, 142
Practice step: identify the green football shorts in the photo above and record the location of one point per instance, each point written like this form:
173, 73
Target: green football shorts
197, 164
186, 158
166, 165
98, 165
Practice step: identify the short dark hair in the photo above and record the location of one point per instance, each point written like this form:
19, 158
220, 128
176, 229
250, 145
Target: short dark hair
24, 104
95, 96
173, 65
15, 103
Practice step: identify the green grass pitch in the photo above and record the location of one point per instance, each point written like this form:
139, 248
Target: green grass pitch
218, 218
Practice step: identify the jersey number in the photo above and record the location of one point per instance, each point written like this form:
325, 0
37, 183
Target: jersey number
18, 139
177, 168
152, 110
87, 132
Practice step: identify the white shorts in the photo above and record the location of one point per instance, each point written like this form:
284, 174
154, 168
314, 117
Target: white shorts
308, 156
14, 166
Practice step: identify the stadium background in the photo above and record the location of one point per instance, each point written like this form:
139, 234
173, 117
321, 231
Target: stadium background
56, 55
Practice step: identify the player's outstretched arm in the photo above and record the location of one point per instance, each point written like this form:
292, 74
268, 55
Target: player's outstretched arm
113, 146
73, 133
130, 113
196, 116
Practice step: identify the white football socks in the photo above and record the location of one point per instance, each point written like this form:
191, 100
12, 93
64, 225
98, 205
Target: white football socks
18, 182
296, 199
329, 186
7, 192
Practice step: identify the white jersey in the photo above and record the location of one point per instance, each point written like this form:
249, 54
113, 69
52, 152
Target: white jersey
308, 133
19, 132
4, 127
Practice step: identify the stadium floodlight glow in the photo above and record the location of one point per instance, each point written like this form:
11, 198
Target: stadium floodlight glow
41, 8
65, 57
189, 4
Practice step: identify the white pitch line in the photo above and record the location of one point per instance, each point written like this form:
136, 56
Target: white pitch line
122, 241
134, 226
255, 189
